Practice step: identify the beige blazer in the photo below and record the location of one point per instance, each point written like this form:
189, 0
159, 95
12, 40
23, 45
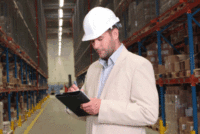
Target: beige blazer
129, 97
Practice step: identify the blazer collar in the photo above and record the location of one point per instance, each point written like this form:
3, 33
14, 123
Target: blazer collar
112, 74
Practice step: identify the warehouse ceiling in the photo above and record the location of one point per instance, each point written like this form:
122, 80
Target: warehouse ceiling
51, 13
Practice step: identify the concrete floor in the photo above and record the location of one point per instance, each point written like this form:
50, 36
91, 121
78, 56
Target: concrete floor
54, 120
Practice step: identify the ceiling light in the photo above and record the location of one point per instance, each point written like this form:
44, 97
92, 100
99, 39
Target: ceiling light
60, 22
60, 33
60, 13
60, 29
61, 3
60, 37
59, 43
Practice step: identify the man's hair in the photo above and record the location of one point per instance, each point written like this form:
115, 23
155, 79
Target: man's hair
117, 25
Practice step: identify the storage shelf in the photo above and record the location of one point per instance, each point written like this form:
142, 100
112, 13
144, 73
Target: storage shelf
178, 81
9, 43
3, 90
157, 25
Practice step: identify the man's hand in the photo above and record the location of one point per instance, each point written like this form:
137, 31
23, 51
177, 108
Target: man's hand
92, 107
73, 88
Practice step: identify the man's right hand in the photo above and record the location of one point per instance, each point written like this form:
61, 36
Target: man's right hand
73, 88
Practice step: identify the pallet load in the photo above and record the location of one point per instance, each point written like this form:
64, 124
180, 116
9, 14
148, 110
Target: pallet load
175, 105
1, 115
6, 127
146, 11
132, 20
152, 56
1, 75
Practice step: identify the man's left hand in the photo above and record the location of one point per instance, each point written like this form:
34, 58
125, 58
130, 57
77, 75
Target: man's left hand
92, 107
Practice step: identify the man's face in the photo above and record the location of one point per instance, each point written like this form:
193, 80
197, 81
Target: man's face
104, 45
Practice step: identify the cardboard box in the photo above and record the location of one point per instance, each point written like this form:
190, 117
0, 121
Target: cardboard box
182, 123
161, 69
177, 66
189, 126
151, 52
187, 64
152, 59
183, 57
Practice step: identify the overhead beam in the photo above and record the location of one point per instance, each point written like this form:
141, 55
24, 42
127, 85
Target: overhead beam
56, 6
56, 19
53, 16
55, 30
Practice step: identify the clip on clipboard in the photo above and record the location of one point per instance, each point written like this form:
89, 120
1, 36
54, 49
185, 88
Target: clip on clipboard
73, 100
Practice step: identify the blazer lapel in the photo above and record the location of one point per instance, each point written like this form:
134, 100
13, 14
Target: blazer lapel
114, 71
97, 80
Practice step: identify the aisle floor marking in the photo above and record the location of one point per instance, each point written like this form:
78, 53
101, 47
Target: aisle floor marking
33, 122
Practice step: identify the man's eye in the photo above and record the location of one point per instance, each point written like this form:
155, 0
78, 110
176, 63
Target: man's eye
100, 39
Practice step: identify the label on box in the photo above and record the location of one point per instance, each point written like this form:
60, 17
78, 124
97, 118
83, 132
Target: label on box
191, 128
183, 126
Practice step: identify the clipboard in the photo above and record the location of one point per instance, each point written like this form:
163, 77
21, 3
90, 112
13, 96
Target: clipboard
73, 100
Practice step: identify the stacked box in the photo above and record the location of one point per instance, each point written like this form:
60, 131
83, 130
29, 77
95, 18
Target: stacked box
132, 18
178, 36
6, 126
170, 63
1, 115
183, 124
146, 11
152, 55
3, 21
175, 104
1, 74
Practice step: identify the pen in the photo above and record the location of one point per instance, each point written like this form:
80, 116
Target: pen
75, 83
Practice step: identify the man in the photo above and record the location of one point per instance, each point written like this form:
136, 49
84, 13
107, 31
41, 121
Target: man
121, 85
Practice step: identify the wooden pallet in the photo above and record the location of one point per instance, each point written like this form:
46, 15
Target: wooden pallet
11, 85
147, 28
182, 74
187, 73
168, 75
197, 72
171, 12
175, 75
157, 76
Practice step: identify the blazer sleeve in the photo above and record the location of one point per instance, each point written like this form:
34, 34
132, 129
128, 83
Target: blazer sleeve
142, 109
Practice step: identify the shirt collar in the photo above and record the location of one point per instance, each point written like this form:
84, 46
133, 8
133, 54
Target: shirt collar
113, 58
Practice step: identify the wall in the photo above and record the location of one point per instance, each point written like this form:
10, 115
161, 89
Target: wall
60, 66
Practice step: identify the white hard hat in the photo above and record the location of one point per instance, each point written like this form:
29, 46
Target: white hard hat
97, 21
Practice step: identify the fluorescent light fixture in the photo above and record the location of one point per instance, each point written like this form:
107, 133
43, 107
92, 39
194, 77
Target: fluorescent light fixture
60, 38
60, 29
60, 22
59, 43
60, 33
59, 51
61, 3
60, 11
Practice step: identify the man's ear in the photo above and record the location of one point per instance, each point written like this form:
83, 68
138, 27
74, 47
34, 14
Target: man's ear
115, 33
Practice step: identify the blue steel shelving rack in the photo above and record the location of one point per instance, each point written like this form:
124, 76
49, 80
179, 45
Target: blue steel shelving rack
10, 48
157, 28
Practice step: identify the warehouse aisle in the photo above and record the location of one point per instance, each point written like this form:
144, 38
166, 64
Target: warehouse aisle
53, 120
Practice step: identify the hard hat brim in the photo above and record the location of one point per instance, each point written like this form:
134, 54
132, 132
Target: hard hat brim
94, 36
